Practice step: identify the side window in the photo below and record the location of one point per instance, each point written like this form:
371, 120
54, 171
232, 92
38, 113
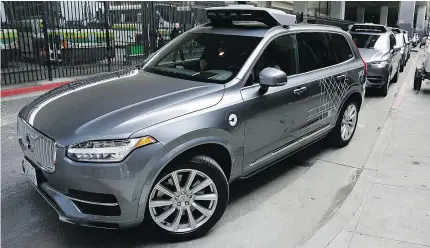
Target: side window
281, 53
339, 48
392, 41
314, 51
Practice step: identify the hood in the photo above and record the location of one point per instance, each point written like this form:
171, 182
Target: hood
370, 55
115, 105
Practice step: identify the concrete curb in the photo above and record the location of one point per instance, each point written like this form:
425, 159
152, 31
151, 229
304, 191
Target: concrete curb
38, 86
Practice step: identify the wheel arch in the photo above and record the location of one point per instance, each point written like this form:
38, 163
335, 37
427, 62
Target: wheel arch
213, 146
353, 95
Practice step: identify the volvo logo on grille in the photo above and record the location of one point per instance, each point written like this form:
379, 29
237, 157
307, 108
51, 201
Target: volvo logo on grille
30, 142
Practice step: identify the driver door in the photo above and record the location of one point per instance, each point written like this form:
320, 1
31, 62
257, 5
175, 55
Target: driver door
276, 119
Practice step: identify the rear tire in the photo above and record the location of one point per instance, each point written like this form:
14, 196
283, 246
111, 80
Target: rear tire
184, 200
346, 122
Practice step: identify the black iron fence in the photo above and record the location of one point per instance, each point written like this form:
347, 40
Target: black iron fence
46, 40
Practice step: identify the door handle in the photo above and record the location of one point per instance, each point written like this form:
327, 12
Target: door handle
341, 77
299, 91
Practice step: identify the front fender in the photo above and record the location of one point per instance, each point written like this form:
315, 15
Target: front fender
176, 148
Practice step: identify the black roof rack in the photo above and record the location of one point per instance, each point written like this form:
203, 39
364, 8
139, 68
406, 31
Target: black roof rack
368, 28
395, 30
271, 17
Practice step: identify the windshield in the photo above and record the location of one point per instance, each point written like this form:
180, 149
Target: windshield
213, 58
370, 41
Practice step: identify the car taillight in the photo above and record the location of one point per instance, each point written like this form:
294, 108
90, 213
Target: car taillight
364, 63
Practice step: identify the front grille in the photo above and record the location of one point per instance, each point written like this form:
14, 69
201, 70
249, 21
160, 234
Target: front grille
93, 197
92, 209
37, 147
95, 203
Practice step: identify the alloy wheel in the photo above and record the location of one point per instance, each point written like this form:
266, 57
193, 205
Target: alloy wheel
183, 200
349, 121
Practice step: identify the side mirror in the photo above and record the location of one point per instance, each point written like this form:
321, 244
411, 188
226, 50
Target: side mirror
272, 77
396, 48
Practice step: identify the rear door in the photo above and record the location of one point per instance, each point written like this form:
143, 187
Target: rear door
327, 58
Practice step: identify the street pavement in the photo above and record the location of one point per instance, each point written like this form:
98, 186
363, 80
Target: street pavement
372, 193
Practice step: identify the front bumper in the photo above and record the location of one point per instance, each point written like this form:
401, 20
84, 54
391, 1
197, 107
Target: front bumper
377, 77
97, 195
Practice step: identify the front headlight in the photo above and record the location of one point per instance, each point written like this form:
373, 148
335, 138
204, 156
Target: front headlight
106, 150
379, 64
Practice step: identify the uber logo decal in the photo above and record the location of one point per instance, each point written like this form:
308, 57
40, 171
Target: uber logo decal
232, 120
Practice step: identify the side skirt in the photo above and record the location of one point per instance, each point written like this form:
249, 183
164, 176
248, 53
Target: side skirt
286, 151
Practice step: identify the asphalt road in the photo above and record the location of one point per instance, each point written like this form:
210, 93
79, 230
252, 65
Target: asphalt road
280, 207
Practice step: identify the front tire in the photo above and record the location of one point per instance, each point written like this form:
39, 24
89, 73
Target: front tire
396, 77
402, 67
384, 89
188, 199
346, 124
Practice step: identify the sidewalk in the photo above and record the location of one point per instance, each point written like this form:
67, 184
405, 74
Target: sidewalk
390, 203
396, 210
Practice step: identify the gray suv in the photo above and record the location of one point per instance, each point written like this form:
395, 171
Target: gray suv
162, 142
378, 47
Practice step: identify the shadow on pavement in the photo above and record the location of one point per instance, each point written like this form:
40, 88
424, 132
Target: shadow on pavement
373, 92
425, 91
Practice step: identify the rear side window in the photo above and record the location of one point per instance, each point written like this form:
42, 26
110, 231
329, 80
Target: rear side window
314, 51
339, 48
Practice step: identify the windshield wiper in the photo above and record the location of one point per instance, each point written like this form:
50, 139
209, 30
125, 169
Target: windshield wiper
166, 70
